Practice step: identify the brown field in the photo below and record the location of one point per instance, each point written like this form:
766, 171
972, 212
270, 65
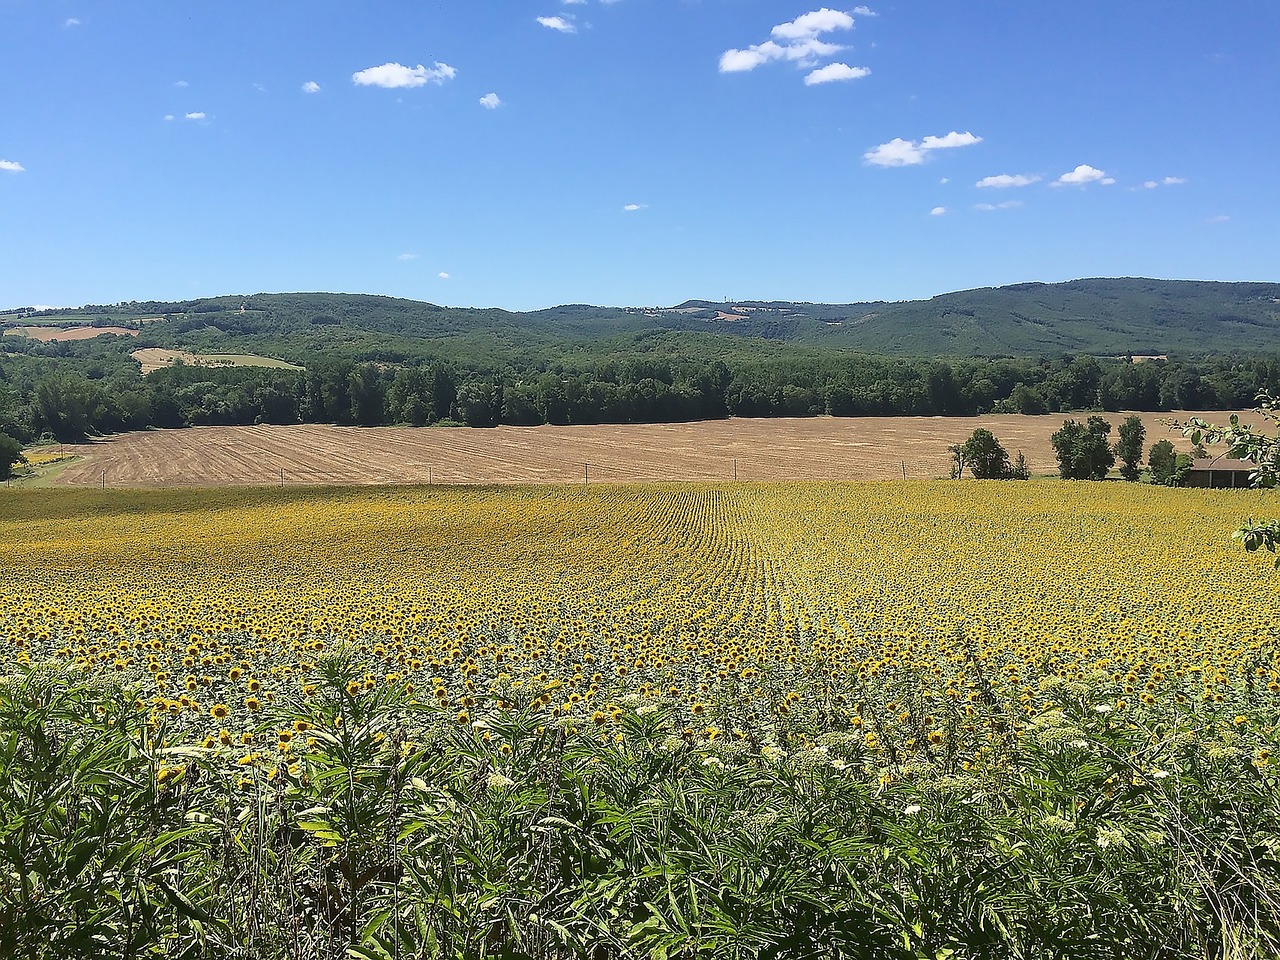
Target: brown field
819, 448
47, 334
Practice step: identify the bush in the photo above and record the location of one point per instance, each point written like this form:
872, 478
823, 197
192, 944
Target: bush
1082, 449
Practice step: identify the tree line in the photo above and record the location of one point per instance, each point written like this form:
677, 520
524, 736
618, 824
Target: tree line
58, 393
1084, 452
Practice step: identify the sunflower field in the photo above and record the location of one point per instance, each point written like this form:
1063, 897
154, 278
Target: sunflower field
915, 720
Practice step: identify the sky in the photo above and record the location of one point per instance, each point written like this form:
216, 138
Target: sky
529, 153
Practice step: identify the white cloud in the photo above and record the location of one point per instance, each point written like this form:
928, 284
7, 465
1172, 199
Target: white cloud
1220, 218
799, 44
1173, 181
1082, 175
633, 207
813, 24
181, 83
71, 22
950, 140
906, 153
896, 153
945, 180
196, 115
1007, 205
408, 256
12, 166
865, 12
938, 212
804, 52
557, 23
442, 275
1005, 180
835, 71
311, 87
573, 3
396, 75
738, 61
491, 101
168, 116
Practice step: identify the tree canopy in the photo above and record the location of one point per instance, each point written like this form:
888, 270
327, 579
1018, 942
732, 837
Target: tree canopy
1082, 449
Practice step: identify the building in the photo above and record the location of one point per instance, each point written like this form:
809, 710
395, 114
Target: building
1219, 472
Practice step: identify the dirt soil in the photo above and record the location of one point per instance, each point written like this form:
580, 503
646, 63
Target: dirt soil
819, 448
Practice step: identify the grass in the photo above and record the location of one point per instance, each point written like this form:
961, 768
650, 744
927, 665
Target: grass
43, 468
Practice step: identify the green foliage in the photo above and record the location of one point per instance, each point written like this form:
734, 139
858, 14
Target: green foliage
1167, 468
983, 455
1019, 470
1129, 447
1263, 450
393, 828
1082, 449
378, 360
10, 454
98, 846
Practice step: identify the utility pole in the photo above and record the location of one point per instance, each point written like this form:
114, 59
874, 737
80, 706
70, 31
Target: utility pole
585, 478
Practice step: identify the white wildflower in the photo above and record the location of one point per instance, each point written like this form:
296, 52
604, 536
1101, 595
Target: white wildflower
497, 781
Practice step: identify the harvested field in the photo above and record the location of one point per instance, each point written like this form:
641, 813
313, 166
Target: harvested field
157, 358
45, 334
819, 448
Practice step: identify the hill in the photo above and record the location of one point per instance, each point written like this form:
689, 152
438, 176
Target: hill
1098, 316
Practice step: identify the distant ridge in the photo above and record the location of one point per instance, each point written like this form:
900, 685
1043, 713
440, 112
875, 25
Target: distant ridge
1117, 316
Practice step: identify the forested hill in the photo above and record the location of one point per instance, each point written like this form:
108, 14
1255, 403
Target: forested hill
1103, 317
1120, 316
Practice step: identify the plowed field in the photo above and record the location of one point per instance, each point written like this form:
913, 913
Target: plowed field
853, 448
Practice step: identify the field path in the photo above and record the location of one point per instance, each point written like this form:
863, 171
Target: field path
818, 448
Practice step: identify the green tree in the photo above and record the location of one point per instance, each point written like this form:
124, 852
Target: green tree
10, 454
8, 408
1163, 463
983, 455
1020, 470
1082, 449
1023, 399
479, 402
66, 406
368, 403
1129, 447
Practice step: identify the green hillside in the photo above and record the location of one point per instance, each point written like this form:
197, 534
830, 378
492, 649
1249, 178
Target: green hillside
1119, 316
1105, 317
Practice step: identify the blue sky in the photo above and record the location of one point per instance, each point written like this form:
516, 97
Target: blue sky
526, 153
